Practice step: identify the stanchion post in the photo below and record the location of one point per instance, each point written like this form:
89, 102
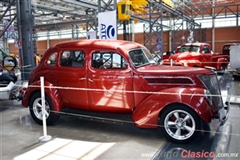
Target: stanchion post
45, 137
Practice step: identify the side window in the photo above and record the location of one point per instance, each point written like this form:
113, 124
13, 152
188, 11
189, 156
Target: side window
72, 58
206, 49
52, 59
107, 60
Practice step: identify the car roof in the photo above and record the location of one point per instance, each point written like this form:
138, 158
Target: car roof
231, 44
97, 43
196, 43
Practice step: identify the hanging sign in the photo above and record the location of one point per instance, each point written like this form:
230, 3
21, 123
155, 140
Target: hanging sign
107, 25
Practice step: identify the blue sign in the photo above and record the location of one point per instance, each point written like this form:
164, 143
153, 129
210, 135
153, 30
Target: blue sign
107, 32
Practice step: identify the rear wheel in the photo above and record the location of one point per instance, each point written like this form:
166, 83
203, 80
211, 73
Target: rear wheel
36, 109
180, 124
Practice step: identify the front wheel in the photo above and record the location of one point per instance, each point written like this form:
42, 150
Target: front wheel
36, 109
180, 124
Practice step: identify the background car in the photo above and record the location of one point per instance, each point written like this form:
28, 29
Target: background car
9, 76
7, 82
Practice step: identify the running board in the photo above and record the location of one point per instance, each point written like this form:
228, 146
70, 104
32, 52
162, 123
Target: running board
113, 118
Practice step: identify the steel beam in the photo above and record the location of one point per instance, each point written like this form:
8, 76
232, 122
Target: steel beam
25, 23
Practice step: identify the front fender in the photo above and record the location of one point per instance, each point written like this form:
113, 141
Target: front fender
146, 113
50, 91
221, 61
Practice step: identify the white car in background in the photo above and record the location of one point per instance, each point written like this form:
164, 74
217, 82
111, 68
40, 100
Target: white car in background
9, 76
7, 82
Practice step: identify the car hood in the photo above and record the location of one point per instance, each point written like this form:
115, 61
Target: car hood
173, 70
184, 55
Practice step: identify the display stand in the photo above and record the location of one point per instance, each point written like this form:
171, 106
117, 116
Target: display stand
45, 137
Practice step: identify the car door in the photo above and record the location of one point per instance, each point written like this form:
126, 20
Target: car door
207, 56
71, 77
50, 69
110, 83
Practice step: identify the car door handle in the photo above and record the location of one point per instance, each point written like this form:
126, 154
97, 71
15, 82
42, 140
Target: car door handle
115, 83
89, 79
81, 79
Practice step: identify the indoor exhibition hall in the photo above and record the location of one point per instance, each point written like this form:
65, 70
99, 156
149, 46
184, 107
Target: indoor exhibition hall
119, 79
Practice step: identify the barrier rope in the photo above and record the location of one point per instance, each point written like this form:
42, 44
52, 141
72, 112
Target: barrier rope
119, 121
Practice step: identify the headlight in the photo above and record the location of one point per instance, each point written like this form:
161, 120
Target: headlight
228, 67
208, 96
185, 64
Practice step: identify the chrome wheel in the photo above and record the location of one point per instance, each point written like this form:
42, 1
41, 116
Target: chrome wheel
37, 108
179, 125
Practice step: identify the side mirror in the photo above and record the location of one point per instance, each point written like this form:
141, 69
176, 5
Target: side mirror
9, 63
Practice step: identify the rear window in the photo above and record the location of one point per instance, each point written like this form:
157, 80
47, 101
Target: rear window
191, 48
52, 59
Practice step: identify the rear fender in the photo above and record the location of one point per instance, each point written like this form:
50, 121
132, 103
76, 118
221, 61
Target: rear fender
146, 113
50, 91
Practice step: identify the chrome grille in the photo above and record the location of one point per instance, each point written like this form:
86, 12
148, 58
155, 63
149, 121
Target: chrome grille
4, 83
212, 84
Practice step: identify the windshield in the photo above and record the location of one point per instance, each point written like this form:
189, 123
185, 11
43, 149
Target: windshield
189, 49
140, 57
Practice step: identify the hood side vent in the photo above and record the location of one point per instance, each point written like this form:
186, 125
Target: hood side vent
170, 81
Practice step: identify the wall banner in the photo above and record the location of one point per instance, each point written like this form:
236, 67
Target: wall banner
107, 25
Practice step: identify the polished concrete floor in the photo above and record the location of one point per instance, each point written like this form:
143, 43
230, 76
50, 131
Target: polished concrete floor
73, 138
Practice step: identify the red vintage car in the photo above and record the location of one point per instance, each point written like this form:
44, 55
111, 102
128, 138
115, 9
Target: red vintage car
198, 55
121, 77
226, 48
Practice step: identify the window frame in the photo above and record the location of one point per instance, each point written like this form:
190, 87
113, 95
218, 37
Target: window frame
100, 63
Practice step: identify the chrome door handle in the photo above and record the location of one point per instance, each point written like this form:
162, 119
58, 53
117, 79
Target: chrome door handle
89, 79
81, 79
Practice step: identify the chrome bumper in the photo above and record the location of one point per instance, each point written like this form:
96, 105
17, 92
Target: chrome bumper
5, 91
226, 86
223, 115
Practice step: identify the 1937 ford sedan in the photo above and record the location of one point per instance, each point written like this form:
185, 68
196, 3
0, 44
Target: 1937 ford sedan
121, 77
